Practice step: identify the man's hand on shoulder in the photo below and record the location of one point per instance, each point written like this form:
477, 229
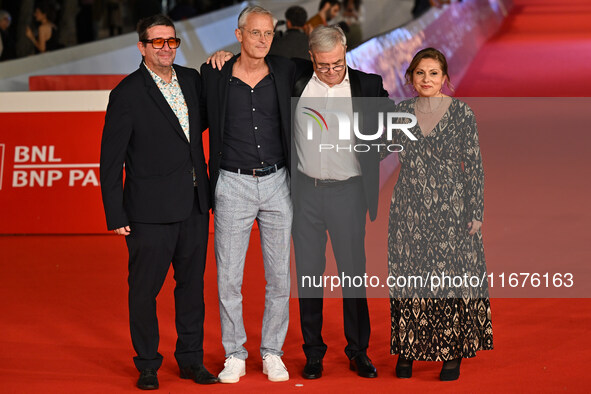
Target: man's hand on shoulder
219, 58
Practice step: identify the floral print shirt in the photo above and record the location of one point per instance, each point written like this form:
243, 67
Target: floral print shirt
174, 97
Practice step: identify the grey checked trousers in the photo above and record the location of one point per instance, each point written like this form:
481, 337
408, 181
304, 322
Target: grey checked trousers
241, 199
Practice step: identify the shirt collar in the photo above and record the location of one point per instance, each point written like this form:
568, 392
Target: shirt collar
267, 62
271, 73
157, 78
343, 82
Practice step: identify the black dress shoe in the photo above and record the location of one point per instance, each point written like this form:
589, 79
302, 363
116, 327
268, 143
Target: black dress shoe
148, 379
313, 368
403, 368
450, 370
362, 364
199, 374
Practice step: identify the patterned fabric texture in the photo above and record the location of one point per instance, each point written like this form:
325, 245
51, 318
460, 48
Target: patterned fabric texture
174, 97
439, 191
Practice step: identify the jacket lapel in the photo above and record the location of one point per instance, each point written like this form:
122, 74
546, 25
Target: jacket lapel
226, 74
302, 81
156, 95
355, 83
282, 90
192, 107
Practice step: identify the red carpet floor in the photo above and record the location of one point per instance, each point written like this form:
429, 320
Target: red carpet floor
543, 50
64, 326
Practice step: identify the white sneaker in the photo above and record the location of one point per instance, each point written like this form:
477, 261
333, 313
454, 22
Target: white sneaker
234, 368
274, 368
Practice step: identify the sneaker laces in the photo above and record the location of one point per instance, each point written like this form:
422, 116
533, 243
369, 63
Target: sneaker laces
232, 363
274, 363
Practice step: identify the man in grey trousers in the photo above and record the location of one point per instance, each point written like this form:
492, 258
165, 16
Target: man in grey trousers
248, 105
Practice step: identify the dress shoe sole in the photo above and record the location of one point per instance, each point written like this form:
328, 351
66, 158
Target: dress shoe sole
312, 376
211, 381
148, 387
363, 375
147, 382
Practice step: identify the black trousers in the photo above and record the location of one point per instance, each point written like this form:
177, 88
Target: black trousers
338, 210
152, 248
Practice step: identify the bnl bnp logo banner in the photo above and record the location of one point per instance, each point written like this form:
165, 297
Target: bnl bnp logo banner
41, 166
352, 124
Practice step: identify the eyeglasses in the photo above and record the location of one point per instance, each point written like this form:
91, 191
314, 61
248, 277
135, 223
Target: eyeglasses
258, 34
158, 43
325, 69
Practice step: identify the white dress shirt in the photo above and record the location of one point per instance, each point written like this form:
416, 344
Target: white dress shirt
325, 163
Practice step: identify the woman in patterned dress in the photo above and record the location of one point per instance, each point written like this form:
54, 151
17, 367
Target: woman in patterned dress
434, 229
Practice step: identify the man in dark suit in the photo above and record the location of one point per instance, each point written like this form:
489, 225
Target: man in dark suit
248, 104
332, 192
153, 126
294, 42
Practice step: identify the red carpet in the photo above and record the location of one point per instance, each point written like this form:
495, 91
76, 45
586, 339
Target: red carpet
63, 299
64, 329
542, 50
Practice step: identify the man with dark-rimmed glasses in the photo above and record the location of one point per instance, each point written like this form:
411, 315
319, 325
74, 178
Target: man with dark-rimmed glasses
153, 126
332, 192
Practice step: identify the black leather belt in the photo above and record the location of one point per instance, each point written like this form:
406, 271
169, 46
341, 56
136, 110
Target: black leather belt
329, 182
257, 172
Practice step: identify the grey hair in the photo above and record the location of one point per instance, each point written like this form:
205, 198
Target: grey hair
5, 14
326, 38
253, 9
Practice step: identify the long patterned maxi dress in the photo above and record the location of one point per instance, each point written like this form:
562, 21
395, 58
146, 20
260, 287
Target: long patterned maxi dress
439, 191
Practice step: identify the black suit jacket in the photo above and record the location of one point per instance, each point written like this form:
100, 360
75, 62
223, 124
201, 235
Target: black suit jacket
362, 85
142, 132
293, 43
215, 94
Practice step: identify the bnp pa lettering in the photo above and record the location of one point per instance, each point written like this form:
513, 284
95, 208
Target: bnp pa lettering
39, 166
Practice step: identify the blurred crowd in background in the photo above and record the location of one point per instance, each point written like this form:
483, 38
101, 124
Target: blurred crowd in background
28, 27
33, 26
